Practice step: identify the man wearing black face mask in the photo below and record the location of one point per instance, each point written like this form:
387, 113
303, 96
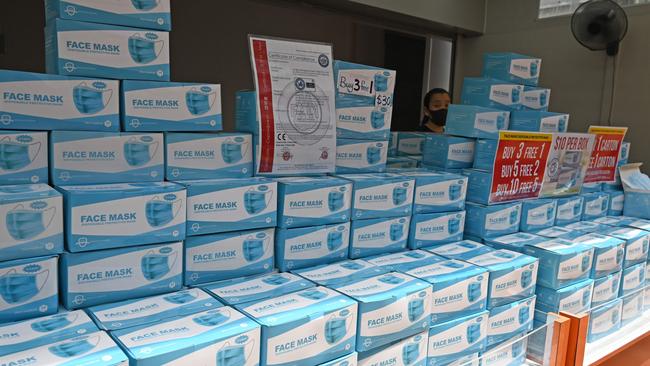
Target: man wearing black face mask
436, 102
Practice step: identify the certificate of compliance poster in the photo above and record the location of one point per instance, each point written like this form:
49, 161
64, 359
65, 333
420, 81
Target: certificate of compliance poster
295, 106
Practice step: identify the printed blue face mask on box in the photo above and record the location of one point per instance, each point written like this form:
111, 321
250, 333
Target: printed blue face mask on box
309, 246
457, 338
75, 347
232, 150
15, 155
144, 50
19, 287
160, 212
23, 157
200, 102
90, 99
360, 156
256, 200
24, 224
155, 266
154, 14
137, 152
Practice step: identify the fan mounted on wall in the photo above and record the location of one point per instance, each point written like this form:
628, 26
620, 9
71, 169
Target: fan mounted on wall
599, 25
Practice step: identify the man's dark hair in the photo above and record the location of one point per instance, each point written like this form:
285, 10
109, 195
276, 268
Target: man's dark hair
427, 97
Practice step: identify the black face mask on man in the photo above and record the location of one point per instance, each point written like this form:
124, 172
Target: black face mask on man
439, 117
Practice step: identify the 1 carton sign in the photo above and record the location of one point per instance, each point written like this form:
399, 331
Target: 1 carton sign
604, 157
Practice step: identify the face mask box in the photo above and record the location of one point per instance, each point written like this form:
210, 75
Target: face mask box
606, 289
485, 154
574, 299
438, 192
360, 156
32, 101
169, 106
636, 243
446, 151
569, 210
37, 332
23, 157
308, 327
364, 101
404, 261
587, 227
604, 320
401, 162
380, 195
378, 236
632, 279
218, 205
460, 250
228, 255
255, 288
32, 221
457, 338
119, 215
208, 156
406, 352
508, 321
393, 139
28, 288
96, 349
340, 272
214, 337
608, 253
536, 121
632, 307
348, 360
514, 67
109, 51
538, 214
536, 99
153, 14
624, 155
595, 205
512, 275
491, 221
411, 143
492, 93
478, 186
591, 188
616, 203
561, 262
100, 277
78, 157
309, 201
309, 246
150, 310
459, 288
392, 306
515, 242
433, 229
477, 122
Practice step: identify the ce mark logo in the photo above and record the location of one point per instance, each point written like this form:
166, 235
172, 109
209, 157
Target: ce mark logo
281, 136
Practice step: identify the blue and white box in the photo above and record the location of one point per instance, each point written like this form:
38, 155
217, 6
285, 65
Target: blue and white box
169, 106
485, 154
378, 236
32, 101
538, 121
608, 253
118, 215
405, 261
636, 243
208, 156
32, 221
392, 306
513, 67
446, 151
632, 307
309, 201
632, 279
459, 288
605, 289
512, 275
475, 121
591, 187
536, 99
400, 162
23, 157
508, 321
587, 227
347, 360
138, 13
37, 332
218, 205
104, 276
393, 139
460, 250
624, 155
215, 337
340, 272
28, 288
492, 93
561, 262
360, 156
479, 184
255, 288
616, 203
411, 351
94, 349
82, 157
538, 214
364, 100
569, 210
491, 221
559, 232
102, 50
304, 247
228, 255
595, 205
308, 327
410, 143
380, 195
432, 229
605, 319
573, 299
154, 309
438, 192
457, 338
515, 242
